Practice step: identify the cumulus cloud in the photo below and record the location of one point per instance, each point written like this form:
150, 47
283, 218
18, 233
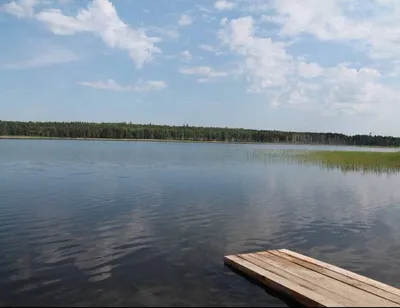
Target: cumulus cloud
224, 5
185, 20
257, 44
309, 70
267, 63
102, 20
140, 86
269, 68
20, 8
371, 25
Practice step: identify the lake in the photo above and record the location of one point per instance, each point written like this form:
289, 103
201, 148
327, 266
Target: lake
111, 223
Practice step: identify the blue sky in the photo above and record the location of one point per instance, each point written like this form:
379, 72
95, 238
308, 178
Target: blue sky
307, 65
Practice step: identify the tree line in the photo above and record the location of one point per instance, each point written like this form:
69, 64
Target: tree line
184, 132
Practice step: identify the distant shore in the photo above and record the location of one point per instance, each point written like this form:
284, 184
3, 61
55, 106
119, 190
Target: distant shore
124, 139
182, 141
183, 133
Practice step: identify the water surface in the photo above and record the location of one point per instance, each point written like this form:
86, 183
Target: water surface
146, 223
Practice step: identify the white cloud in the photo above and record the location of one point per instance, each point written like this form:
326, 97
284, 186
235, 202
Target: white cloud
205, 73
185, 20
267, 63
206, 47
140, 86
101, 19
343, 89
169, 33
65, 25
371, 25
259, 43
53, 55
186, 55
211, 49
309, 70
110, 84
224, 5
20, 8
151, 85
255, 6
202, 71
269, 68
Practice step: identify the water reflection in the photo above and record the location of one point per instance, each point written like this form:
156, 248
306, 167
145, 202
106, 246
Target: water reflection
123, 230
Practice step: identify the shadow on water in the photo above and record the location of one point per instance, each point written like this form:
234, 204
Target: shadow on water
284, 298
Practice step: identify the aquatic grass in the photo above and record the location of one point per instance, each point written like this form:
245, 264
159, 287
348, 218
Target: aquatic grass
359, 161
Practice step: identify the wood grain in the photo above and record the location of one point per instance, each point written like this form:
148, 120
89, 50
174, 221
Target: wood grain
278, 283
360, 284
312, 282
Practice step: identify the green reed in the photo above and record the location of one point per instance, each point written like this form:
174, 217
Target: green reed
359, 161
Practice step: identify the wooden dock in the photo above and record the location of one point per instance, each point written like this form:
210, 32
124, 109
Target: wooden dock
312, 282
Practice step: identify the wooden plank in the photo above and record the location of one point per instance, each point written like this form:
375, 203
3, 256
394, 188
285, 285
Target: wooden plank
348, 292
308, 277
278, 269
301, 294
344, 272
312, 282
346, 279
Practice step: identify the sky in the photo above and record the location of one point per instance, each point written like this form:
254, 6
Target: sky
297, 65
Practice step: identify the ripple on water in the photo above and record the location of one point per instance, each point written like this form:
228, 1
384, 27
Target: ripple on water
151, 224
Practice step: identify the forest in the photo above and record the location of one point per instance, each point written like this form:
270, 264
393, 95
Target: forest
184, 132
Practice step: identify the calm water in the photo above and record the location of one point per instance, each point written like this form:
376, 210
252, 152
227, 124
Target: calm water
136, 223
